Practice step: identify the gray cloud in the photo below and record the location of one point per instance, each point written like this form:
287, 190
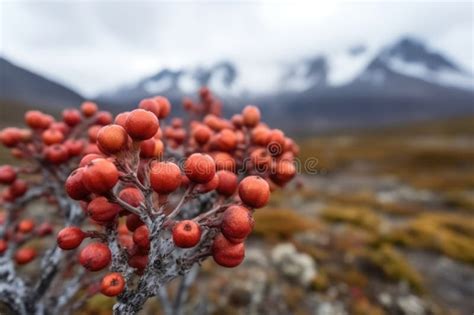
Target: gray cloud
97, 45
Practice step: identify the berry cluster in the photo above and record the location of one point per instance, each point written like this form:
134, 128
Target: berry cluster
47, 151
161, 195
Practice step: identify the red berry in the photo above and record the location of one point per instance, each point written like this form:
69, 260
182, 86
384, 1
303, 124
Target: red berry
165, 177
71, 117
165, 106
26, 226
74, 147
251, 116
121, 118
228, 183
70, 237
186, 234
25, 255
44, 229
100, 176
237, 224
141, 237
226, 140
37, 120
133, 222
104, 118
93, 132
52, 136
283, 172
18, 188
89, 109
95, 256
112, 139
226, 253
276, 142
7, 174
102, 211
132, 196
89, 158
141, 124
112, 284
10, 137
224, 161
75, 186
254, 191
56, 154
202, 134
200, 168
209, 186
150, 105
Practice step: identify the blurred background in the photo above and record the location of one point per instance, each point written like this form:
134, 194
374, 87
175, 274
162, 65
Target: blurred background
379, 95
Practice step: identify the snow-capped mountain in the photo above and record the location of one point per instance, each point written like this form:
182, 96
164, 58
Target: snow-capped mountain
407, 57
360, 86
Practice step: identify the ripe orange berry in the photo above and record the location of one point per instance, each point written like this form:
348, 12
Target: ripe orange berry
93, 132
71, 117
186, 234
261, 135
7, 174
104, 118
226, 140
102, 211
95, 256
147, 148
132, 196
74, 147
150, 105
133, 222
26, 226
165, 106
121, 118
89, 158
10, 137
237, 224
200, 168
228, 183
112, 139
276, 142
226, 253
52, 136
209, 186
56, 154
37, 120
165, 177
112, 284
251, 116
261, 160
254, 191
100, 176
283, 172
141, 237
237, 120
25, 255
224, 161
202, 134
89, 109
44, 229
18, 188
70, 237
141, 124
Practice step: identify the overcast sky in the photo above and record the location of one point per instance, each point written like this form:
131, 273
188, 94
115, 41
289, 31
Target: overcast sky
93, 46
